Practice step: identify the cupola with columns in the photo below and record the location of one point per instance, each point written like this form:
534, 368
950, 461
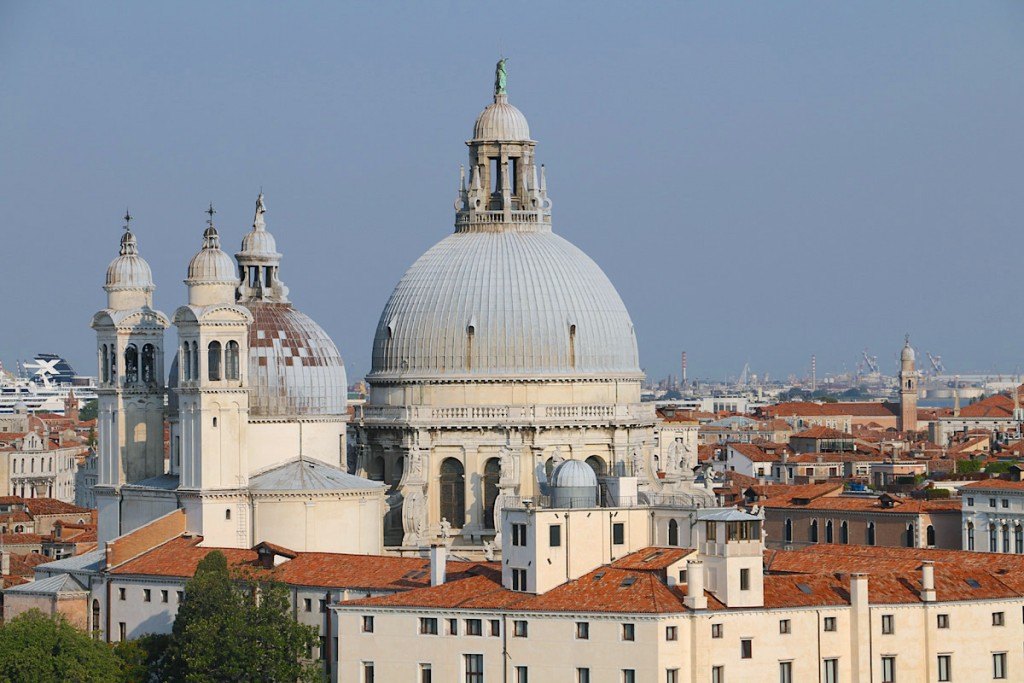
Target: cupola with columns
258, 263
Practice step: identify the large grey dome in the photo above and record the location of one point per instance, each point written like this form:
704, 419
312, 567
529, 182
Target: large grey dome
483, 304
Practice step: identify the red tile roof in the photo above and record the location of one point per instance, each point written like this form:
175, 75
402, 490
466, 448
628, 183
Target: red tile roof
995, 485
820, 432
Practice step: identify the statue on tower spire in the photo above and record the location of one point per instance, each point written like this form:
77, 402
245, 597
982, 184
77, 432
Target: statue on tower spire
500, 78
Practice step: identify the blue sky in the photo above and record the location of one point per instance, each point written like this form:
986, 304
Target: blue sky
761, 181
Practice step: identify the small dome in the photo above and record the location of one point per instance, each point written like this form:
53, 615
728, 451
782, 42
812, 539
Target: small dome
259, 243
908, 352
211, 265
129, 270
501, 121
573, 474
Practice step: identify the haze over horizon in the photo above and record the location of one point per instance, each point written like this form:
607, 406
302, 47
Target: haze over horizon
761, 183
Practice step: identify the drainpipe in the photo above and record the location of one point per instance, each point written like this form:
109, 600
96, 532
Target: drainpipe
504, 647
109, 607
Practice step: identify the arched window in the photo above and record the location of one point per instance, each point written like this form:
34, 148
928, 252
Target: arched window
908, 539
970, 535
131, 364
828, 532
549, 467
453, 492
572, 346
470, 334
993, 542
195, 360
930, 536
213, 361
813, 531
1006, 538
789, 531
596, 464
375, 470
113, 365
871, 533
104, 364
398, 471
231, 360
148, 363
96, 619
186, 362
844, 532
1018, 539
19, 529
673, 532
492, 473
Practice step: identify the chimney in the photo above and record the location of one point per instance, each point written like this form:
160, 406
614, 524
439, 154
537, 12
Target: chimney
5, 563
438, 564
695, 598
859, 590
927, 581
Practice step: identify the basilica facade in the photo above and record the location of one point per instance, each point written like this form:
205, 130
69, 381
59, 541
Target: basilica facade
502, 351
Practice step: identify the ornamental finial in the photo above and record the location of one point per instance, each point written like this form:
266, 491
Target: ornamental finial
127, 220
500, 78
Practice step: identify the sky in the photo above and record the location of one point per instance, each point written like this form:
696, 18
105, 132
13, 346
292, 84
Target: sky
760, 181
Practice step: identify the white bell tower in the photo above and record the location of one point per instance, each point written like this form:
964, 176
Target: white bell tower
130, 356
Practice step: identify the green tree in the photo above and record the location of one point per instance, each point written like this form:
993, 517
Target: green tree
89, 411
236, 628
35, 648
968, 466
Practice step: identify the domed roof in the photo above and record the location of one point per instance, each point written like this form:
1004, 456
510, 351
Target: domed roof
258, 244
485, 304
211, 265
129, 270
501, 121
573, 474
907, 354
295, 369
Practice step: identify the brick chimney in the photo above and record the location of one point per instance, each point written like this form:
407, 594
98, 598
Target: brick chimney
927, 581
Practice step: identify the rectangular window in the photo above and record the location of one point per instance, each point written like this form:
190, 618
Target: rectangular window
746, 648
582, 675
888, 628
942, 620
428, 626
618, 533
307, 604
367, 624
830, 668
519, 628
583, 630
945, 668
785, 672
453, 627
555, 535
426, 674
474, 668
970, 502
1006, 503
323, 648
629, 632
474, 627
716, 630
121, 593
999, 665
998, 618
122, 630
888, 670
830, 623
671, 676
522, 675
495, 627
519, 580
323, 606
718, 674
671, 633
784, 626
628, 676
518, 534
147, 595
164, 596
181, 596
991, 502
744, 579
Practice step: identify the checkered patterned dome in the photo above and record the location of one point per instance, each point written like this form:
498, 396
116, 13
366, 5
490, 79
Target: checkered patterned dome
295, 369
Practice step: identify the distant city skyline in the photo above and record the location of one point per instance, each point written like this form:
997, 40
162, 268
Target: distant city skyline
760, 183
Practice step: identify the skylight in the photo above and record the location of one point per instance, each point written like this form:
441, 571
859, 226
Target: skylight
628, 581
805, 588
973, 583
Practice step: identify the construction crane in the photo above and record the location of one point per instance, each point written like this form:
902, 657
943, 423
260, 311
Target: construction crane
937, 367
871, 361
745, 375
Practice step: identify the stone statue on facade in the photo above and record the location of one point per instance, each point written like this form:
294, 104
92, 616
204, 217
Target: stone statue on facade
500, 77
446, 530
414, 516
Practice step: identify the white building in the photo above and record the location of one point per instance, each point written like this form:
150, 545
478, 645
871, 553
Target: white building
993, 514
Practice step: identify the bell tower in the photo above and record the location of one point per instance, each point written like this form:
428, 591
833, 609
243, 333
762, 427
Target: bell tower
908, 389
130, 359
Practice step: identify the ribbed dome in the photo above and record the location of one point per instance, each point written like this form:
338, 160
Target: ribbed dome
295, 369
129, 270
573, 474
259, 243
537, 306
501, 121
211, 265
907, 354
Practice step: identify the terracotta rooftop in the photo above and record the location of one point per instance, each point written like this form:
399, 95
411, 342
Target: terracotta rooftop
994, 485
820, 432
652, 559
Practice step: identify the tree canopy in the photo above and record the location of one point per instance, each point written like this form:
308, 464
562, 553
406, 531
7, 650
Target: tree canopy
35, 648
236, 628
